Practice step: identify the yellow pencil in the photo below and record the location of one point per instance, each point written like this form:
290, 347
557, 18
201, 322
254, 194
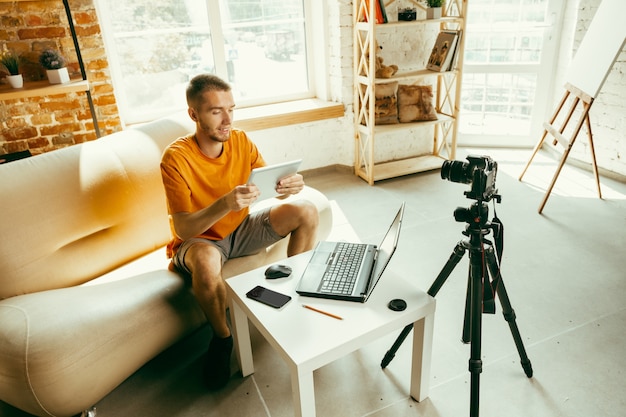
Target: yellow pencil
322, 312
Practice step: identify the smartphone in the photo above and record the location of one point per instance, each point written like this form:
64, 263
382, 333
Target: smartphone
269, 297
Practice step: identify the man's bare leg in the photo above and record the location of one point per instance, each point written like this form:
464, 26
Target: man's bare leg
205, 263
301, 219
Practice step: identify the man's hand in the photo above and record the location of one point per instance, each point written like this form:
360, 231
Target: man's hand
290, 185
188, 225
242, 196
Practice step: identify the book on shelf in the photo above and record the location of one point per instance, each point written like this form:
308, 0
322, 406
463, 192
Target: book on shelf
444, 51
455, 54
381, 4
377, 10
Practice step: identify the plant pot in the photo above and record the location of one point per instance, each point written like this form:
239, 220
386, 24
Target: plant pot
58, 76
16, 81
433, 13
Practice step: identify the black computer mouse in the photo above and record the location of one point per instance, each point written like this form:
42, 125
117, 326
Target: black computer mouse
277, 271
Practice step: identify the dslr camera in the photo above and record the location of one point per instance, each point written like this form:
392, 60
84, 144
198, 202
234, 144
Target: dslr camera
479, 171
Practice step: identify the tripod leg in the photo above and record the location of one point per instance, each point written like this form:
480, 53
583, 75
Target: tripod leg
508, 312
475, 362
466, 336
454, 259
391, 353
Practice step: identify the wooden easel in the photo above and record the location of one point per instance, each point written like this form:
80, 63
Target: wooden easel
594, 58
585, 100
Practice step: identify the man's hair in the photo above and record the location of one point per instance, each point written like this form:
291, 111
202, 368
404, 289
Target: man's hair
201, 83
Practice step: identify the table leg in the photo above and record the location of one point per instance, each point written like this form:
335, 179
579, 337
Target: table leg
422, 353
241, 336
303, 392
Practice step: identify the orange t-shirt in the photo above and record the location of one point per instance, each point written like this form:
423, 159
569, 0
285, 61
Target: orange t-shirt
194, 181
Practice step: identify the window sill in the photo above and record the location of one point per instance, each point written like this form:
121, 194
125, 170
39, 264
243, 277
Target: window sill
285, 114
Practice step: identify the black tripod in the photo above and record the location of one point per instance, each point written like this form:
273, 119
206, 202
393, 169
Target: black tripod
480, 294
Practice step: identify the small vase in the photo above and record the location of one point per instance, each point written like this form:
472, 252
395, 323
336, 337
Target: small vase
16, 81
433, 13
58, 76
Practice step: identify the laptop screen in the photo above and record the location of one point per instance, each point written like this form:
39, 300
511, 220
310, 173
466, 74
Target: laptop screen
387, 247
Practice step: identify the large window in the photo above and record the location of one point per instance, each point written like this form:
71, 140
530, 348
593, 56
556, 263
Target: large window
508, 70
156, 46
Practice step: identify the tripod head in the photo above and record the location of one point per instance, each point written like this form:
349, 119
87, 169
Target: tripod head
476, 216
480, 172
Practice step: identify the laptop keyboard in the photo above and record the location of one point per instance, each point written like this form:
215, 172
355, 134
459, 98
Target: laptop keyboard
341, 276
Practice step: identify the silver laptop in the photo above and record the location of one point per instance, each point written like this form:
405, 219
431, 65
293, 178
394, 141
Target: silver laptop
349, 271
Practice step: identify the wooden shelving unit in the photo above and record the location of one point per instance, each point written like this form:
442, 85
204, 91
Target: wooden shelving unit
447, 94
44, 88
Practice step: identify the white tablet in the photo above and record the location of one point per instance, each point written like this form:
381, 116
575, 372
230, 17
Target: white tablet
266, 178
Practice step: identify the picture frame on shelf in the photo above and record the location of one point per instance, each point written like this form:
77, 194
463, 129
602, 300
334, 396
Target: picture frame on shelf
444, 49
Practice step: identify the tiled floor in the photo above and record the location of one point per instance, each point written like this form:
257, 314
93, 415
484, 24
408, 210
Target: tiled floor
564, 272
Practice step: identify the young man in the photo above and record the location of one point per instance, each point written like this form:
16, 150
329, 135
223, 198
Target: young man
205, 176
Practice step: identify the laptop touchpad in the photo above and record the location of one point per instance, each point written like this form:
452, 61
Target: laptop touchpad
320, 258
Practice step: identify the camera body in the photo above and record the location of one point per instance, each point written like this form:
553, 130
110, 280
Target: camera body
479, 171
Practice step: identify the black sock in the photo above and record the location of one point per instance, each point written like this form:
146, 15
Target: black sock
219, 344
217, 368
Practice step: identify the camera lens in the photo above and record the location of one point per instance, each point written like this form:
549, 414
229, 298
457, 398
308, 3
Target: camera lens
455, 171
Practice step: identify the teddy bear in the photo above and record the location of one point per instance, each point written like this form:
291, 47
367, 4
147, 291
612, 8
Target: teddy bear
382, 70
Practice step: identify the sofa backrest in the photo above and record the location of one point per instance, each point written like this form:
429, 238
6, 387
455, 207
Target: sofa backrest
70, 215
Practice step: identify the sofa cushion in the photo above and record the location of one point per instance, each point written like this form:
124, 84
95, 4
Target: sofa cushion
386, 104
63, 350
415, 103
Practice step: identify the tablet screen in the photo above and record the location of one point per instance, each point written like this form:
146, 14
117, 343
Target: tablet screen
266, 178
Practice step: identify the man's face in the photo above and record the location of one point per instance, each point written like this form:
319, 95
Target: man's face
214, 115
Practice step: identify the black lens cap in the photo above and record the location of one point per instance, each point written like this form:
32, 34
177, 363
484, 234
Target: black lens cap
397, 304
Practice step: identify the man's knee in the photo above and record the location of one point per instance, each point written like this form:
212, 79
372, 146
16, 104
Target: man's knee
309, 213
288, 217
204, 261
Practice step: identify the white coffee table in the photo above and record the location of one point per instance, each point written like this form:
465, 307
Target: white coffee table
308, 340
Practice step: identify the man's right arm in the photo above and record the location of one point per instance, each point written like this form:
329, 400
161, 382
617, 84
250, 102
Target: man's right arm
188, 225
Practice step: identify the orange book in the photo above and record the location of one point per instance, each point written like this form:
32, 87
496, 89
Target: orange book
378, 11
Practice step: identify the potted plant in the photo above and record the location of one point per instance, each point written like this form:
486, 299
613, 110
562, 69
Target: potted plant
54, 64
11, 63
433, 10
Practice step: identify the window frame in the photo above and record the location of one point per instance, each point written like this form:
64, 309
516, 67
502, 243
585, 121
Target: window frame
544, 89
316, 55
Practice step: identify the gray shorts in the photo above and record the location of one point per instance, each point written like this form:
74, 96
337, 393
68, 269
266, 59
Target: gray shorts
253, 234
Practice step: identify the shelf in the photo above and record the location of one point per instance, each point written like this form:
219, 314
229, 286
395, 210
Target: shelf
41, 88
408, 24
395, 127
405, 76
387, 170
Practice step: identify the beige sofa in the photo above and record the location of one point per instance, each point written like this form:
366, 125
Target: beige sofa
85, 295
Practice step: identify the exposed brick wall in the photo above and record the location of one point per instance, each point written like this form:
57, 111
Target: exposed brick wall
45, 123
